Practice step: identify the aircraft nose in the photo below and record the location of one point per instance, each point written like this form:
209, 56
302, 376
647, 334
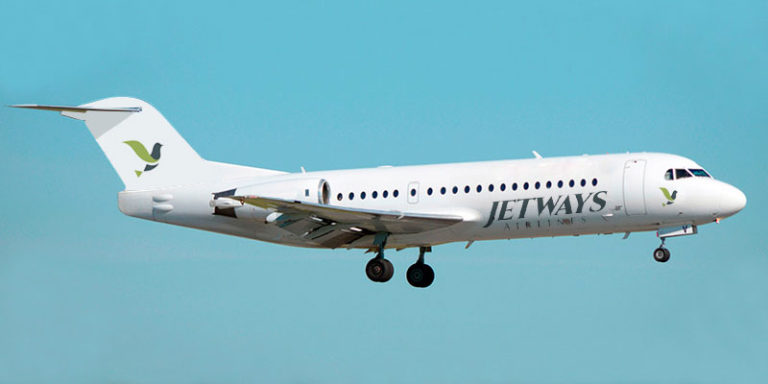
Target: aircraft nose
732, 200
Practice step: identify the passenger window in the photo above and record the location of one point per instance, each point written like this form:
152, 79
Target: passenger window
514, 186
479, 188
339, 197
351, 195
681, 173
669, 175
594, 182
583, 182
395, 193
413, 191
571, 183
503, 187
455, 189
537, 185
525, 186
442, 190
374, 194
559, 183
429, 191
362, 195
466, 189
699, 173
549, 184
385, 194
490, 187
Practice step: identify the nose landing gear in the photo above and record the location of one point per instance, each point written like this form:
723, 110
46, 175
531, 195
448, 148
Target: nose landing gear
661, 254
421, 275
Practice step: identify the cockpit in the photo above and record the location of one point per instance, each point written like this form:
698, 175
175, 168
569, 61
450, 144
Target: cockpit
681, 173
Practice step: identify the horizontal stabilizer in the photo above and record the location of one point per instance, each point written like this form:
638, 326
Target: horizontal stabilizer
63, 108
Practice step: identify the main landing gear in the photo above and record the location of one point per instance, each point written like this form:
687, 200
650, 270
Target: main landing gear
661, 254
380, 270
421, 275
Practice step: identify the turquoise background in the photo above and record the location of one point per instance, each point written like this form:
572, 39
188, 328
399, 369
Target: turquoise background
88, 295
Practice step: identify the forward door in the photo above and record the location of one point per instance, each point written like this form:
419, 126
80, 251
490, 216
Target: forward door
634, 187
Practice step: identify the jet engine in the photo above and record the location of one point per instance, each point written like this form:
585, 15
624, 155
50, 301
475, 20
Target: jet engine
309, 190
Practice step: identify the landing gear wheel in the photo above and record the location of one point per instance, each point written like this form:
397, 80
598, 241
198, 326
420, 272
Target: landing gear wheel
379, 269
661, 255
420, 275
390, 270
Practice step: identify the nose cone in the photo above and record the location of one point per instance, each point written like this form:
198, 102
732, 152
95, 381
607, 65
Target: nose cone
732, 200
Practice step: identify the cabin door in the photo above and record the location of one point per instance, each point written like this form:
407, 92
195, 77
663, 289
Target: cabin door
634, 187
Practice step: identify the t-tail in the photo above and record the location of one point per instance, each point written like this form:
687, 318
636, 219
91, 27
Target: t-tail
144, 149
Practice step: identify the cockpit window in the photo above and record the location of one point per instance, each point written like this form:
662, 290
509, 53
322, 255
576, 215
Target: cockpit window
699, 173
669, 175
681, 173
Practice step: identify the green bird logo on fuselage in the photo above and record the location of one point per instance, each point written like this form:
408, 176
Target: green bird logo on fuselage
152, 159
670, 197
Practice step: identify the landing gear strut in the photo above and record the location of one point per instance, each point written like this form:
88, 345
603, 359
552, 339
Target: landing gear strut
421, 275
380, 269
661, 254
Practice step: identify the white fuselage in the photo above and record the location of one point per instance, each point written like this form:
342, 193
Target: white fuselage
497, 200
166, 180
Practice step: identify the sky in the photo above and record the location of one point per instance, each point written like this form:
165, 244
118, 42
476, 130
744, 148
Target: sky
88, 295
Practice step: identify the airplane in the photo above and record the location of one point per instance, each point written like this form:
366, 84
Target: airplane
400, 207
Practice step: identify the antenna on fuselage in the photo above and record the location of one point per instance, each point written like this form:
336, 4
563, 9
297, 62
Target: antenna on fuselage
536, 154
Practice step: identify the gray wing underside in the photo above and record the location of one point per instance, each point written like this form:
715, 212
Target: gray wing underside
335, 227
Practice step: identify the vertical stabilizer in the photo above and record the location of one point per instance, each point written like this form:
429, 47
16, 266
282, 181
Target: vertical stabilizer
142, 146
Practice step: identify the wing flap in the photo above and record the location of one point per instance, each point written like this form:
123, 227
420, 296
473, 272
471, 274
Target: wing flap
336, 226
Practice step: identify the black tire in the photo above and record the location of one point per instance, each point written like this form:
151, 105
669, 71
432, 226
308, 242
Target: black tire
379, 270
389, 270
661, 255
420, 275
430, 276
375, 269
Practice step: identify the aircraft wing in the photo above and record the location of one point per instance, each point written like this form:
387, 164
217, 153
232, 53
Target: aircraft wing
332, 227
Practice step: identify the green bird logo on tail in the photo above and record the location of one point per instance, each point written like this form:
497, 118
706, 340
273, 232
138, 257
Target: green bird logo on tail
141, 151
670, 197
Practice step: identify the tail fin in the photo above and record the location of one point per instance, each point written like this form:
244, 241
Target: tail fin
142, 146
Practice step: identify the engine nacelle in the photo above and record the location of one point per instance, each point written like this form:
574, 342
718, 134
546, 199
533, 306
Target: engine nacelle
310, 190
